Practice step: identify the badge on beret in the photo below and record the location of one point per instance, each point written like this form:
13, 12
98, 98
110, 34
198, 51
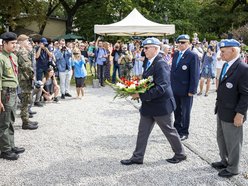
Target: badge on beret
222, 44
149, 41
184, 67
229, 85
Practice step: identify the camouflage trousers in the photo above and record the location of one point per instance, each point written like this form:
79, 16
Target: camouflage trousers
125, 72
7, 119
25, 101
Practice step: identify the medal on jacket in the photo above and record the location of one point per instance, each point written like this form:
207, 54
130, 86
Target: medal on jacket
229, 85
184, 67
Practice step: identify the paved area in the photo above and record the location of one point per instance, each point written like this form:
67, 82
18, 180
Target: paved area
81, 142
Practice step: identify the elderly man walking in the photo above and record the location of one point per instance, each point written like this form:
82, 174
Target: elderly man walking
231, 108
157, 106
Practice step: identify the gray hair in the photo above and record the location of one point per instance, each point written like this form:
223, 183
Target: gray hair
164, 47
237, 49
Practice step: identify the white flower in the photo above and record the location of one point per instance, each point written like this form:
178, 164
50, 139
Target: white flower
142, 81
150, 78
120, 85
132, 86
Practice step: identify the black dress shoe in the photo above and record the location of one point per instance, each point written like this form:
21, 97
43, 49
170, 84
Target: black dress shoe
176, 160
183, 137
9, 155
18, 150
226, 174
68, 95
29, 127
218, 165
130, 162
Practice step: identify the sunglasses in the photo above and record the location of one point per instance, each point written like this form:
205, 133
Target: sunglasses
146, 48
182, 42
76, 53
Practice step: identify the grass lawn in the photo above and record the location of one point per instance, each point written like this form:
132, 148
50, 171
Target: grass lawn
89, 79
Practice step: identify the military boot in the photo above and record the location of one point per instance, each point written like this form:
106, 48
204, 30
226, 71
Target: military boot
29, 126
9, 155
33, 123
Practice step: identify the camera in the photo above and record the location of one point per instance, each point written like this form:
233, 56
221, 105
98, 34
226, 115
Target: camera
63, 47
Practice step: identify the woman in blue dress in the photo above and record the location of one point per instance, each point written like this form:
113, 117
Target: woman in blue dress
207, 70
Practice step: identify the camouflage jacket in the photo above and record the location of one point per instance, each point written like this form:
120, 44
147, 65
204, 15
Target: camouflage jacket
25, 69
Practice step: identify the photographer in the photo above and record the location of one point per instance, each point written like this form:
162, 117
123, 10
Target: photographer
125, 62
43, 54
63, 55
101, 59
116, 53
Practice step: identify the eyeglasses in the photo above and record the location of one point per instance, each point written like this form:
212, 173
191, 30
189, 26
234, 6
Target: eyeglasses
146, 48
181, 42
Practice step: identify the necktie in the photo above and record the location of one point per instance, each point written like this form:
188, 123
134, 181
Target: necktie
224, 70
148, 64
14, 66
179, 57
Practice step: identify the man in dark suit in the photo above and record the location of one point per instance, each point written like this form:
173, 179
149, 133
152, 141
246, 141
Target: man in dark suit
231, 108
157, 106
184, 82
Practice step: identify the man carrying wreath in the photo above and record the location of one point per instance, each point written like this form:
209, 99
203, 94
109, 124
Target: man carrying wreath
157, 106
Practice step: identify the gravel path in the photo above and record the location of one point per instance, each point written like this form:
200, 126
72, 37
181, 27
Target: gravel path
81, 142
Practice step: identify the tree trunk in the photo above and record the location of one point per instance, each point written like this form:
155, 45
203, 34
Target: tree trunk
69, 22
43, 26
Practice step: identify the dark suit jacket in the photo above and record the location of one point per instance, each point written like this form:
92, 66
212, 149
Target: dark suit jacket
232, 94
158, 100
185, 76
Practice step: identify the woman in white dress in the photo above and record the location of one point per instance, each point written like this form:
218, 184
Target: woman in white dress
138, 62
219, 65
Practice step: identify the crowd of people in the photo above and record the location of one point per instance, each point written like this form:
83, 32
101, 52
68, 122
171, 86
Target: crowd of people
42, 71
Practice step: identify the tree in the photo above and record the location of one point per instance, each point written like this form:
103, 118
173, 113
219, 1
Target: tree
25, 11
9, 10
238, 3
108, 11
71, 10
51, 7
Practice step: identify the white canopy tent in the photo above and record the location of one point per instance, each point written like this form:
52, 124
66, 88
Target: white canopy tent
135, 24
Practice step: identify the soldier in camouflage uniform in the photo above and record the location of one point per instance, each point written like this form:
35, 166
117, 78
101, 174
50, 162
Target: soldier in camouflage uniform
25, 77
8, 85
125, 63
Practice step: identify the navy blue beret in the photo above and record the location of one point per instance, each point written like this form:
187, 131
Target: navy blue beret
9, 36
151, 41
229, 43
183, 37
